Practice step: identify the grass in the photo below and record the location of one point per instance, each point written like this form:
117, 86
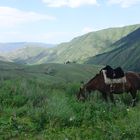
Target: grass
33, 109
30, 110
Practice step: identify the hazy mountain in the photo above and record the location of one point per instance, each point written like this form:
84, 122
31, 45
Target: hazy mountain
126, 54
79, 49
23, 55
21, 52
8, 47
2, 58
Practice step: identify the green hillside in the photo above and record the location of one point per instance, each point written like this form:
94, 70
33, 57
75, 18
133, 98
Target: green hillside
51, 73
23, 52
25, 55
91, 44
39, 103
78, 49
126, 53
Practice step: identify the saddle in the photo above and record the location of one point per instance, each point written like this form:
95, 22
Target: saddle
113, 73
113, 76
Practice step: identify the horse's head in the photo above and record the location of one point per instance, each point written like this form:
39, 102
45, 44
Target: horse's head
86, 89
81, 94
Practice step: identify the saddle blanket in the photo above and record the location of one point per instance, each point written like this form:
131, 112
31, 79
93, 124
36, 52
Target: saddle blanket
113, 81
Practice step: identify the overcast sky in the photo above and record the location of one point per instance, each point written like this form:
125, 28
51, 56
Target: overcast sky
56, 21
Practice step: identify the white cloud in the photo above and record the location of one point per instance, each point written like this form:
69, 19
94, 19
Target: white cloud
10, 17
124, 3
69, 3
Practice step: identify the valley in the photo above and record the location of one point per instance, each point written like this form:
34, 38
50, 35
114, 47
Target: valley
38, 89
79, 49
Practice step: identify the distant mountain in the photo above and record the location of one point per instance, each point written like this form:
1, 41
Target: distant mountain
23, 55
79, 49
8, 47
22, 52
126, 54
2, 58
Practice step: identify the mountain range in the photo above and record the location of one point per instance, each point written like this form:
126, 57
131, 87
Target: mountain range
125, 54
8, 47
114, 46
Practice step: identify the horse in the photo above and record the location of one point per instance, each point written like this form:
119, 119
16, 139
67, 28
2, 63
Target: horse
132, 85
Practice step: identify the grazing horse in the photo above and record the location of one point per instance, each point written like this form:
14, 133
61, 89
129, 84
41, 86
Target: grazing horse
131, 85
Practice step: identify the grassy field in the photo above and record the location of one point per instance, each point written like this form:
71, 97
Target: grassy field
38, 103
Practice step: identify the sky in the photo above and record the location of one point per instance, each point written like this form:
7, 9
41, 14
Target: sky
57, 21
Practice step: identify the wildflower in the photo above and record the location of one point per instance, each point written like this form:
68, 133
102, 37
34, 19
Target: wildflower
128, 109
72, 118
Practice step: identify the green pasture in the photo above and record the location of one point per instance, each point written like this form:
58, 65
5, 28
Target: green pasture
39, 103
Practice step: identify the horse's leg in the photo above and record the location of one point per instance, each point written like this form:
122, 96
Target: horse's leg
112, 97
105, 96
133, 94
87, 95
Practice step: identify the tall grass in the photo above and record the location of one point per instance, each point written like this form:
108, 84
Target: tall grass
31, 109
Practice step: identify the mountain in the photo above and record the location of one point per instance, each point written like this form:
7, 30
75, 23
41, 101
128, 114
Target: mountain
8, 47
79, 49
22, 52
2, 58
126, 54
90, 44
24, 55
84, 46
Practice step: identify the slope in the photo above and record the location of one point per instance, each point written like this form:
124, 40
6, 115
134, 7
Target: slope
22, 52
49, 73
90, 44
126, 53
23, 55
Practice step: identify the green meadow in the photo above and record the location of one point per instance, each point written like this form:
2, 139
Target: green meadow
39, 103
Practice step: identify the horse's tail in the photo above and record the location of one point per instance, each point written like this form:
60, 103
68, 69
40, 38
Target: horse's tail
139, 80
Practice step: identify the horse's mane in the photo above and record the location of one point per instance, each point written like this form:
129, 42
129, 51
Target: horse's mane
92, 79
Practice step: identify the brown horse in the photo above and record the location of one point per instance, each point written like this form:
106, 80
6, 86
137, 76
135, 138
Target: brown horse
131, 85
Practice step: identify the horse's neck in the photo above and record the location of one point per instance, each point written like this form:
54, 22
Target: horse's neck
93, 83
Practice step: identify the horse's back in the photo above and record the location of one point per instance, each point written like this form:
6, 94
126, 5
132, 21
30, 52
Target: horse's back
132, 74
133, 78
